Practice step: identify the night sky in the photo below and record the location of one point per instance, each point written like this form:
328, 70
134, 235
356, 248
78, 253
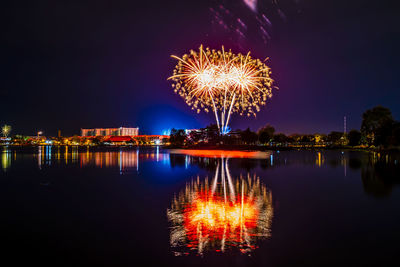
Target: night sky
81, 64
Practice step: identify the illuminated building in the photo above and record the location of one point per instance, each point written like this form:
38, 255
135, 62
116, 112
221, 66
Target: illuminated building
121, 131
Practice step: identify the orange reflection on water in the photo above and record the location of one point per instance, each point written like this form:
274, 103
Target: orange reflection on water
210, 217
122, 159
221, 153
225, 214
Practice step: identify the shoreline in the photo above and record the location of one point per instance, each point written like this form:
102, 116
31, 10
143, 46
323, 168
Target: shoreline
222, 147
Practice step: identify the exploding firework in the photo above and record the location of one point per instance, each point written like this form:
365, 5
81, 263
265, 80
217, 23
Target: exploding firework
223, 82
227, 213
5, 130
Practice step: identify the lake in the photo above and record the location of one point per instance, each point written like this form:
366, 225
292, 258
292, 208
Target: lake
68, 206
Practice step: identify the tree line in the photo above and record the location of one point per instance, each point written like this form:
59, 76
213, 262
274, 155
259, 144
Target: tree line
378, 129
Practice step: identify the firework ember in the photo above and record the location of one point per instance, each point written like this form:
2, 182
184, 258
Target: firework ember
223, 82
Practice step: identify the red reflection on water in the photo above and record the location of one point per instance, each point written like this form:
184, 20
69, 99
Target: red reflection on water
221, 153
224, 213
211, 217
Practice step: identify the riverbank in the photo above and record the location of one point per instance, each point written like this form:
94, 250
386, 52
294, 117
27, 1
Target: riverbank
217, 147
282, 148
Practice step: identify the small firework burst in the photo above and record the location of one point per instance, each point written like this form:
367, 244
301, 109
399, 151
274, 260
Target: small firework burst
5, 130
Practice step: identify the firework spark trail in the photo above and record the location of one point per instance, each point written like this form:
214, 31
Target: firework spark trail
222, 81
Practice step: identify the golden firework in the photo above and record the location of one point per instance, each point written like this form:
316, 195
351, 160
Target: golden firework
5, 130
223, 82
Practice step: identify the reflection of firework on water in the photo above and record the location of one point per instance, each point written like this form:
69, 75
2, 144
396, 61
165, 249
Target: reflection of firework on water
223, 82
240, 17
226, 213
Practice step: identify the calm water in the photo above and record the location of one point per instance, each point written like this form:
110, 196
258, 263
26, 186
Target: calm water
66, 207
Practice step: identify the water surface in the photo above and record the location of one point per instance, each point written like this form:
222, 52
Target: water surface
64, 206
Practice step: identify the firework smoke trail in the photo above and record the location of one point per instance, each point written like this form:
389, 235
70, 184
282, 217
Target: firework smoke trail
222, 81
250, 19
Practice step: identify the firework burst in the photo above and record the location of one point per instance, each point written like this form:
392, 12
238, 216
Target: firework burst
5, 130
223, 82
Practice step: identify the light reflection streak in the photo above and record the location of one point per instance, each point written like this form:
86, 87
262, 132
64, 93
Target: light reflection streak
49, 155
5, 159
319, 160
40, 157
221, 153
123, 160
137, 159
128, 159
157, 153
227, 214
66, 155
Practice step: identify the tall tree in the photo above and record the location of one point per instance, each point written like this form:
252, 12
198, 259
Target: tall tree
280, 138
248, 137
375, 125
335, 137
177, 137
266, 133
354, 138
212, 134
395, 139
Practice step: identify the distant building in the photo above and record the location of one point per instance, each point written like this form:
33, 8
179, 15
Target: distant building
151, 139
121, 131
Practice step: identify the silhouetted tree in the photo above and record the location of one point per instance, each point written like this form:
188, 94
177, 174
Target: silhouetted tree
177, 137
248, 137
294, 138
307, 138
354, 138
280, 138
375, 125
395, 138
383, 135
335, 137
266, 133
212, 133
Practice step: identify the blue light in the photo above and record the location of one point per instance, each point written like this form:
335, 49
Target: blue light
166, 132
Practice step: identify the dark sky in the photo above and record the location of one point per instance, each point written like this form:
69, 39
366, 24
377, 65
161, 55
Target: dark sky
79, 64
